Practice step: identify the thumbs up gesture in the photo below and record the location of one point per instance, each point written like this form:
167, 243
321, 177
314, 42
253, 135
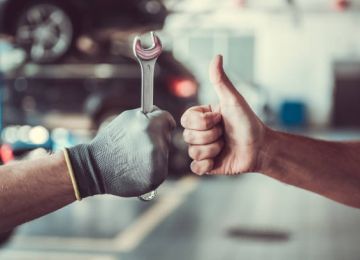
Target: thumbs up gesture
226, 138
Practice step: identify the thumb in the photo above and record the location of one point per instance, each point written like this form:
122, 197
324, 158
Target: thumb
225, 90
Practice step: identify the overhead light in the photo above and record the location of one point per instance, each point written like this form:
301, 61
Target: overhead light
183, 88
9, 134
23, 133
39, 135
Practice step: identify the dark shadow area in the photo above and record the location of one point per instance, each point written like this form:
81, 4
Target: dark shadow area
258, 234
5, 237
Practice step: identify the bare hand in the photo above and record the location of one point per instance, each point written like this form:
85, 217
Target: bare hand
226, 138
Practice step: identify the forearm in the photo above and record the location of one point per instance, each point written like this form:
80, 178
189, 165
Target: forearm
30, 189
331, 169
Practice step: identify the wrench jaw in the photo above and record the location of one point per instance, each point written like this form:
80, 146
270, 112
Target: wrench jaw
147, 54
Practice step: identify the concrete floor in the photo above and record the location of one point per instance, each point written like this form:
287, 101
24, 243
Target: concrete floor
244, 217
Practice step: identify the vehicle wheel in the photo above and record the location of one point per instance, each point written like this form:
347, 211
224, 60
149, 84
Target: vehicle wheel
45, 31
4, 237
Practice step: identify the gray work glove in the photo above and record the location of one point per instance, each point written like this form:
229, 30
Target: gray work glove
128, 158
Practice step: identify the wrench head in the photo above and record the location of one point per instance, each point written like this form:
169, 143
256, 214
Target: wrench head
147, 54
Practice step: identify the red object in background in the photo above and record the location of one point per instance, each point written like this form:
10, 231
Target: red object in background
183, 88
6, 153
240, 3
341, 5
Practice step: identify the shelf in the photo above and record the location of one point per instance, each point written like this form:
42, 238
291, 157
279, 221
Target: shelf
75, 71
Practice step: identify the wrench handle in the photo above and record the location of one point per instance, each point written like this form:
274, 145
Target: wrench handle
147, 85
147, 101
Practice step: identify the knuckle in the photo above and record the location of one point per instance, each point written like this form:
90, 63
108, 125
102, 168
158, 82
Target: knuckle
196, 168
185, 135
188, 136
202, 167
195, 153
202, 139
184, 120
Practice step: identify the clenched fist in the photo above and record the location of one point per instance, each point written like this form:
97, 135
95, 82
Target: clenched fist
127, 158
225, 138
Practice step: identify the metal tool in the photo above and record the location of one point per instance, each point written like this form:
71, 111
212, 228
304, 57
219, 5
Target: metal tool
147, 59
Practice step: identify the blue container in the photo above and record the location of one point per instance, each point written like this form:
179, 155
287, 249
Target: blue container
293, 114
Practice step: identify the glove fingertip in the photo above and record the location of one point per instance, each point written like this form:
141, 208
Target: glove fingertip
157, 112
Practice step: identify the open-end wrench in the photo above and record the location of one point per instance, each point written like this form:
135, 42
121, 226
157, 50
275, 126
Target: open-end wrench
147, 59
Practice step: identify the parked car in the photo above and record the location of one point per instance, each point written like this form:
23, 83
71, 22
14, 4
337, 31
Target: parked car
48, 29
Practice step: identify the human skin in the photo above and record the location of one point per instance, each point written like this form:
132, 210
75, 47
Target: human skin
127, 158
33, 188
228, 139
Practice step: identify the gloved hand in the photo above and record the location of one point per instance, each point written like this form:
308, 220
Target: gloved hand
129, 157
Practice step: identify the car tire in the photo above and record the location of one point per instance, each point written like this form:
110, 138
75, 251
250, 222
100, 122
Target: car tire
46, 31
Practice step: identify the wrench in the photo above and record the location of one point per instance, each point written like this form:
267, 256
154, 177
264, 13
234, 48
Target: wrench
147, 59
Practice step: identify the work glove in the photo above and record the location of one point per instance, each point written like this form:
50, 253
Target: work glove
127, 158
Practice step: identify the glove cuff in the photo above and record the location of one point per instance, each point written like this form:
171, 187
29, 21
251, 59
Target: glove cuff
88, 178
71, 174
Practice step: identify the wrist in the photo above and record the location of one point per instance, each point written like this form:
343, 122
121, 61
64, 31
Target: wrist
267, 155
60, 165
85, 171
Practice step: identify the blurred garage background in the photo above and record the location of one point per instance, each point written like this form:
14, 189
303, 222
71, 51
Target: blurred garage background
67, 68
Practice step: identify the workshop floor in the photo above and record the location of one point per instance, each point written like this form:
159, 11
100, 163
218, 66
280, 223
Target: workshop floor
212, 218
